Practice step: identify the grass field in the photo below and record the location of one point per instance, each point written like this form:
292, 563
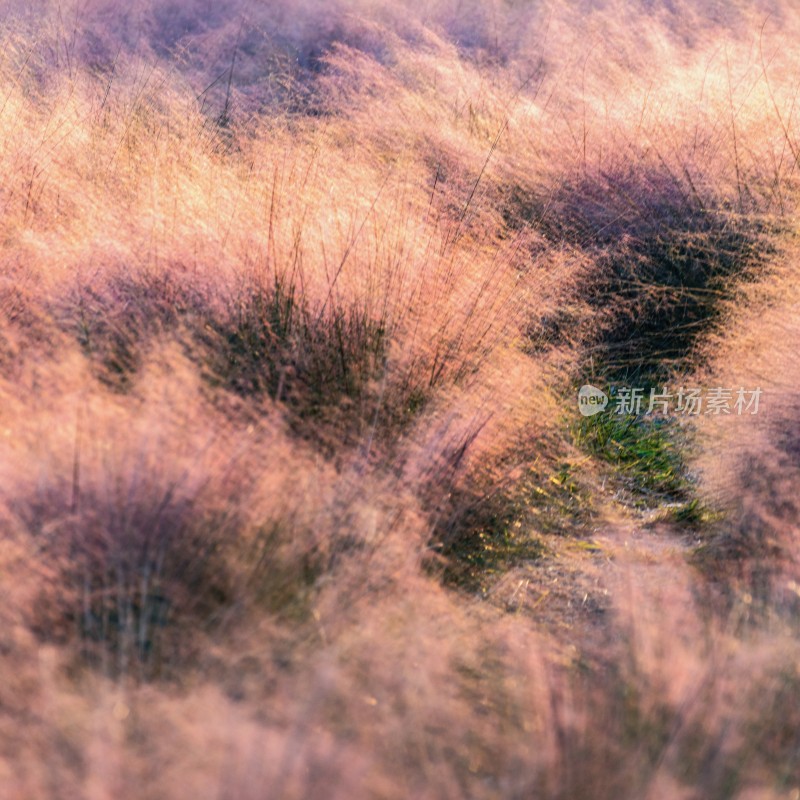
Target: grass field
296, 299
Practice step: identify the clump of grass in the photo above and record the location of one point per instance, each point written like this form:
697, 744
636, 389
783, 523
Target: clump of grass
144, 556
668, 251
273, 343
670, 288
134, 566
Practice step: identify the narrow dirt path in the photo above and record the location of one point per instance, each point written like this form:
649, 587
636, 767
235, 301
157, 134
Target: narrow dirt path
628, 565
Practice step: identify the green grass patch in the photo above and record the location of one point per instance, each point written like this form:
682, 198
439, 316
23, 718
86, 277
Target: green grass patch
647, 452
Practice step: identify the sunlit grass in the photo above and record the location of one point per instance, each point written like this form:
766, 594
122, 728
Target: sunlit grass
293, 300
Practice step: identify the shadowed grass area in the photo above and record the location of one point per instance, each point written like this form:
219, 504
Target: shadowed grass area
669, 251
494, 533
273, 343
